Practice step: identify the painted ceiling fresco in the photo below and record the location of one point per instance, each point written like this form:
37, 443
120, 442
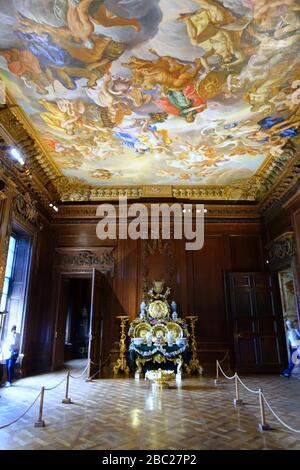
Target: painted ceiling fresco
126, 92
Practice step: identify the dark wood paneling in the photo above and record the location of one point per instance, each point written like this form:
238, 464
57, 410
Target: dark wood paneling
205, 280
198, 275
246, 253
296, 219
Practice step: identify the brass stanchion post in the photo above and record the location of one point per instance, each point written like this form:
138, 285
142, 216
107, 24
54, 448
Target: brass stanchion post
67, 400
88, 379
217, 381
263, 426
40, 423
237, 400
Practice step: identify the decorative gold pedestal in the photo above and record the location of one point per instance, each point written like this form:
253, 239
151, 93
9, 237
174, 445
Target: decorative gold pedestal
194, 365
121, 364
160, 378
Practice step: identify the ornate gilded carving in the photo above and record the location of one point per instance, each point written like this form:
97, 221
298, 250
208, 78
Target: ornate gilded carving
25, 207
287, 184
3, 190
194, 365
121, 364
103, 260
279, 174
71, 189
75, 212
115, 193
5, 232
34, 176
282, 249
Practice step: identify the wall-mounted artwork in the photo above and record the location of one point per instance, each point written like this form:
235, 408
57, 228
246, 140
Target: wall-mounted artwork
125, 92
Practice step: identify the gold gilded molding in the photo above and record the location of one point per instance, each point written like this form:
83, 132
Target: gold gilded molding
76, 190
87, 212
157, 191
16, 128
45, 160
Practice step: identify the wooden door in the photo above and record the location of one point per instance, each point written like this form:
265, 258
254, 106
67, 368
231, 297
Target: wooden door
254, 310
96, 323
60, 327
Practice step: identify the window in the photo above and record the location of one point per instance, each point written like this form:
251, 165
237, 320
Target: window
8, 273
16, 277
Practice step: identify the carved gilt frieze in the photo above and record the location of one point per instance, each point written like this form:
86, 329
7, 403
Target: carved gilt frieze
26, 208
102, 259
282, 250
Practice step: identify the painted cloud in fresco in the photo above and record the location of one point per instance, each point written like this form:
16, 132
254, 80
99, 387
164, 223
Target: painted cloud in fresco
153, 91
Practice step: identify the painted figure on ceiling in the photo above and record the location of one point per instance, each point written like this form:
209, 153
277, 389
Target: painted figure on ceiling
165, 71
216, 30
26, 66
142, 135
118, 96
186, 103
61, 59
73, 117
80, 16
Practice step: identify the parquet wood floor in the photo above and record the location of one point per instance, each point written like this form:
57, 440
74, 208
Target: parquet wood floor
124, 414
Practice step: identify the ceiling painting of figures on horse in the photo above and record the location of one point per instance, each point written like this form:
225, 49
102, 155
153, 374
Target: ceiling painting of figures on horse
125, 92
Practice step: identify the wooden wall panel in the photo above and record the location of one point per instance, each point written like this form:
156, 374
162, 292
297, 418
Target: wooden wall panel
246, 253
296, 220
198, 278
206, 299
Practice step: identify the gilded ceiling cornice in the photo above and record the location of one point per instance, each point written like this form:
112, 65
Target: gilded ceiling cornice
73, 213
254, 189
42, 156
33, 177
274, 178
286, 185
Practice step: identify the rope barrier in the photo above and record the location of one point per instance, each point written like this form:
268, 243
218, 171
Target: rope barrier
99, 370
277, 417
40, 422
262, 399
245, 386
22, 415
55, 386
226, 376
94, 363
82, 373
225, 357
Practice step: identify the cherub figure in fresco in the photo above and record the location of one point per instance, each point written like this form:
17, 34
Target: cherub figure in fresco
143, 135
61, 59
260, 94
26, 66
289, 99
117, 95
73, 117
125, 91
261, 8
103, 174
165, 71
63, 115
80, 16
209, 162
214, 28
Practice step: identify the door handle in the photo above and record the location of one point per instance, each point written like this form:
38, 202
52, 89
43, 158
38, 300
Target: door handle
245, 335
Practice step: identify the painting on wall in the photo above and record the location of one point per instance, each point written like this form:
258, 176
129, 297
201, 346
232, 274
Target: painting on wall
125, 92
